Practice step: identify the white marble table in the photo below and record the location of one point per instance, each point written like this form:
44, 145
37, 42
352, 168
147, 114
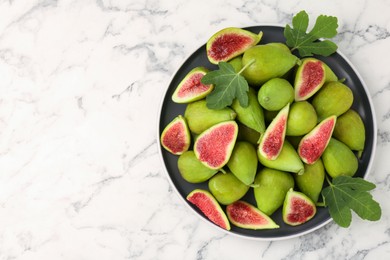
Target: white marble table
80, 88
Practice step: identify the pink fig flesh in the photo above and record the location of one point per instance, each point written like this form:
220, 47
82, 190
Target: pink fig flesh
209, 206
273, 139
309, 79
297, 208
229, 43
191, 88
312, 145
245, 215
214, 146
176, 137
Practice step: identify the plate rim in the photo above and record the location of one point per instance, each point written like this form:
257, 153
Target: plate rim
159, 147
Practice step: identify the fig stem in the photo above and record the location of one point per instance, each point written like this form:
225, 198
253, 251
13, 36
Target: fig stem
320, 204
222, 170
328, 180
246, 66
342, 80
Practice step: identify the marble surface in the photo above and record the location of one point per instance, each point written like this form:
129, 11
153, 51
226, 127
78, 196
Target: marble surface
80, 90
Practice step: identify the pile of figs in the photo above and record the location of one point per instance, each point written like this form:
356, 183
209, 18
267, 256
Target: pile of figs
298, 127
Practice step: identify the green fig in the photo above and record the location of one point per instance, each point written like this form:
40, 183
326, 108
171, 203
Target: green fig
339, 159
192, 170
236, 63
270, 188
229, 43
267, 62
199, 117
243, 162
350, 130
312, 180
288, 160
280, 45
247, 134
275, 94
302, 118
334, 98
329, 74
226, 188
252, 115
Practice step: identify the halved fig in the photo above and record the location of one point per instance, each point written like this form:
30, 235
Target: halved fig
191, 88
229, 43
244, 215
209, 206
309, 78
297, 208
176, 137
214, 146
313, 144
272, 140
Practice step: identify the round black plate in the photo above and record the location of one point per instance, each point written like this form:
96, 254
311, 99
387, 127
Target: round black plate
362, 104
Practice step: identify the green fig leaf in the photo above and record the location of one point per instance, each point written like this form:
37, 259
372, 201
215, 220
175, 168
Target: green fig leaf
307, 44
228, 85
346, 193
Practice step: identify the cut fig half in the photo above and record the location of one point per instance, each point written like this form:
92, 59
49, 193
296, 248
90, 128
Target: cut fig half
309, 78
244, 215
176, 137
214, 146
271, 142
191, 88
313, 144
230, 42
297, 208
209, 206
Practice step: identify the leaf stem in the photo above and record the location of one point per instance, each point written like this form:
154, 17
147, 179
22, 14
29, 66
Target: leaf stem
246, 66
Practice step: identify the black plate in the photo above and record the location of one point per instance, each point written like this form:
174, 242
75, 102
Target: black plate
362, 104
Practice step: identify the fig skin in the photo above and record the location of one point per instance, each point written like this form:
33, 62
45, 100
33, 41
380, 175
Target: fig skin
350, 130
252, 116
302, 118
243, 162
334, 98
226, 188
269, 62
312, 180
339, 159
192, 170
288, 160
275, 94
270, 188
199, 117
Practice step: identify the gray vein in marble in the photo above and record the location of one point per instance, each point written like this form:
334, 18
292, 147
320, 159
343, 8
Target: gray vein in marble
383, 137
382, 90
128, 89
35, 8
148, 150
